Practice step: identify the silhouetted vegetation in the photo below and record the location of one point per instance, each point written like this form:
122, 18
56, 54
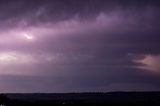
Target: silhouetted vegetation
81, 99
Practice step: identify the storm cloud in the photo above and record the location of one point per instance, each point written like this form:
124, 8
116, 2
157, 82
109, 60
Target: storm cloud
79, 46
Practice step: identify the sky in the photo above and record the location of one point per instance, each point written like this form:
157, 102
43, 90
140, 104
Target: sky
79, 46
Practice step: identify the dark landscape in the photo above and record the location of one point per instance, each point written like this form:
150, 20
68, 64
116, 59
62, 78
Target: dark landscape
81, 99
80, 52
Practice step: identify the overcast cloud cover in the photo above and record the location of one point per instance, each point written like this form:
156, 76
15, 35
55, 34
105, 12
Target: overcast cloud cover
79, 45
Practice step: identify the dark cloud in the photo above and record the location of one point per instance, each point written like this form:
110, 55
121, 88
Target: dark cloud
86, 45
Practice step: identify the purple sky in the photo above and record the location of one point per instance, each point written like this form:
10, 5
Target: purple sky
79, 45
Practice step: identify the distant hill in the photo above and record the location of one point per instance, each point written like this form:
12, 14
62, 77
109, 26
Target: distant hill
111, 98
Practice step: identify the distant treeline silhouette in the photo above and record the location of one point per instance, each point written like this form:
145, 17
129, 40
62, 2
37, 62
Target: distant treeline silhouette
81, 99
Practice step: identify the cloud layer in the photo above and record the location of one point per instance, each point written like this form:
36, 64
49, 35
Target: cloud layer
86, 45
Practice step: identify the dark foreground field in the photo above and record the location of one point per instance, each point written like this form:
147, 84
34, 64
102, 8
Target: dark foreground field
81, 99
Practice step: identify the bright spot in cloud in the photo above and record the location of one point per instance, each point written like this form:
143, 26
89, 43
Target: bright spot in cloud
17, 58
20, 63
28, 37
149, 62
